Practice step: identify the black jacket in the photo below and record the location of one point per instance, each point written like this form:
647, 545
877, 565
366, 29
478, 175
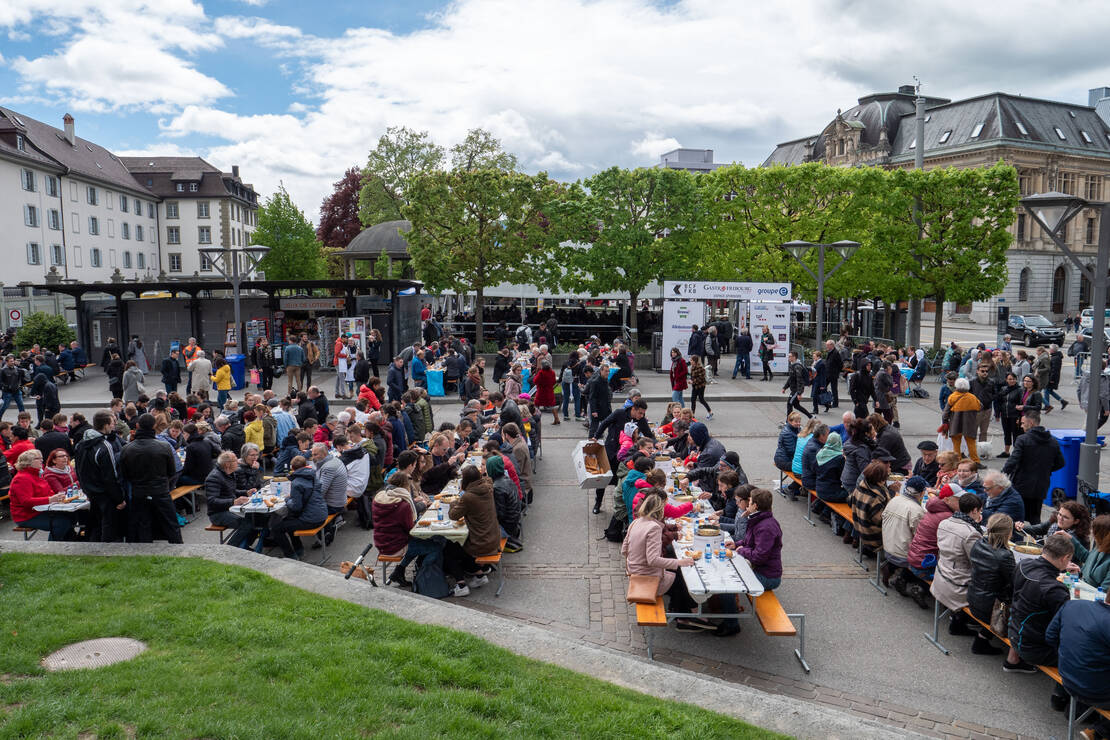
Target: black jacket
148, 465
809, 462
234, 437
1035, 455
199, 458
983, 390
306, 411
219, 491
54, 440
320, 403
598, 395
861, 387
171, 371
395, 381
45, 387
11, 379
95, 462
362, 372
506, 499
835, 363
1037, 598
744, 344
992, 577
696, 345
614, 425
797, 378
247, 478
891, 441
1010, 397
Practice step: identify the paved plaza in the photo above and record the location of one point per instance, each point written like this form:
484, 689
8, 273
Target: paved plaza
867, 652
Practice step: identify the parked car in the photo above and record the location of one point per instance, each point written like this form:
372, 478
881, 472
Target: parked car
1089, 331
1035, 329
1086, 318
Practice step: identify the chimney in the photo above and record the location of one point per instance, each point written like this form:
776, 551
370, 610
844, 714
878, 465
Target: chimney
67, 121
235, 171
1096, 94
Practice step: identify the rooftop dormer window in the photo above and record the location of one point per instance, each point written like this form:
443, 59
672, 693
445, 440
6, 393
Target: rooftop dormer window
945, 136
1021, 128
977, 130
1059, 133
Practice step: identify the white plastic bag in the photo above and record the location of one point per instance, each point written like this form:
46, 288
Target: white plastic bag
944, 442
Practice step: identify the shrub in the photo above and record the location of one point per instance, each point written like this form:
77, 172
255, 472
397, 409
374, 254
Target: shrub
44, 329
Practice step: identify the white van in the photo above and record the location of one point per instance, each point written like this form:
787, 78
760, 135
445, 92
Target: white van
1086, 318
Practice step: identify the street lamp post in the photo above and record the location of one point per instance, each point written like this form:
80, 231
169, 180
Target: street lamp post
226, 262
1052, 212
798, 249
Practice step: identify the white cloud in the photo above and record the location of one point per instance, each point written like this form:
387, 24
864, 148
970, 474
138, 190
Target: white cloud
18, 36
654, 144
234, 27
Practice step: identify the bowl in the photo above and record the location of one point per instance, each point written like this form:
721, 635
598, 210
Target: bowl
684, 498
708, 531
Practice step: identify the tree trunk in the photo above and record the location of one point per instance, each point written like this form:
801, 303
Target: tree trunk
479, 307
632, 295
938, 316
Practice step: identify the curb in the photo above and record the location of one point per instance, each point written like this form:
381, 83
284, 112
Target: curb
781, 714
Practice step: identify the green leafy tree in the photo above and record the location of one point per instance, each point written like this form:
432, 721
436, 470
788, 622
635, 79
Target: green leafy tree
295, 253
44, 329
958, 251
401, 155
481, 151
639, 225
383, 267
473, 229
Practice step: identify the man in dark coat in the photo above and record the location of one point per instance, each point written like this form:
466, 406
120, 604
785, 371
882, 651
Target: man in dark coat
834, 366
744, 346
96, 463
612, 426
1036, 454
395, 380
696, 346
147, 464
598, 398
171, 372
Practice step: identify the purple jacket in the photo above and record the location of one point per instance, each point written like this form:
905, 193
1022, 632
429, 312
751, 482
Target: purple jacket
762, 545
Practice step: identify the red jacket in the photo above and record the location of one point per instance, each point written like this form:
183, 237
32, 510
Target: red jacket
678, 375
28, 490
545, 381
323, 434
365, 392
392, 521
59, 482
18, 448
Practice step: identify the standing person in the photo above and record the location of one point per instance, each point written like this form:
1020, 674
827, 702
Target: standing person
569, 379
374, 350
396, 379
834, 366
797, 378
189, 353
697, 385
767, 352
293, 357
884, 391
311, 357
1078, 350
114, 371
712, 351
340, 360
960, 420
1055, 366
744, 348
147, 463
11, 384
97, 467
221, 379
200, 374
1009, 396
46, 396
696, 344
984, 386
1035, 456
171, 372
678, 375
599, 398
264, 361
135, 352
545, 381
820, 375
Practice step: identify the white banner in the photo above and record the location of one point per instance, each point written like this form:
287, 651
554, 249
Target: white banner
777, 317
707, 291
678, 317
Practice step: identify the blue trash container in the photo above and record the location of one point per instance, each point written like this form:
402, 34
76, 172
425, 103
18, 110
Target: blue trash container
238, 371
1067, 476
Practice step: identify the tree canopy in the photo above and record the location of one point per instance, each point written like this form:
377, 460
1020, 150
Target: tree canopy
295, 254
339, 222
400, 156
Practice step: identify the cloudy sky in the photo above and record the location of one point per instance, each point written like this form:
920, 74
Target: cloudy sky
297, 92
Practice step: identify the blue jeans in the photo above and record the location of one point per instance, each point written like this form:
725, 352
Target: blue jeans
1051, 393
572, 389
743, 365
8, 398
417, 548
221, 398
676, 396
769, 584
59, 524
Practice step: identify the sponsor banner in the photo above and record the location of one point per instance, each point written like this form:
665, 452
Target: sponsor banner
777, 317
678, 317
711, 291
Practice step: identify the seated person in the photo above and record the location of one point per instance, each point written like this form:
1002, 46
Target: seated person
1037, 598
900, 517
658, 480
249, 475
29, 490
394, 514
1079, 631
830, 469
306, 506
762, 543
955, 537
506, 499
221, 493
992, 578
357, 462
1072, 518
927, 465
297, 442
788, 439
1096, 569
809, 456
868, 500
477, 507
734, 517
640, 468
796, 462
21, 443
643, 552
59, 473
200, 457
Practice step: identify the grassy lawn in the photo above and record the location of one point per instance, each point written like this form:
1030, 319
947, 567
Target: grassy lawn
235, 654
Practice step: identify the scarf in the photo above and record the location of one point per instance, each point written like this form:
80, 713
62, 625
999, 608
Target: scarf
831, 450
966, 518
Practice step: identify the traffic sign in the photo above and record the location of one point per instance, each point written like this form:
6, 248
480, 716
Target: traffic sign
15, 317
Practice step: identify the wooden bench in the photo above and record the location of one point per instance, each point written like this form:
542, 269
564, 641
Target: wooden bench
28, 532
191, 492
785, 475
495, 560
318, 534
773, 619
385, 560
219, 529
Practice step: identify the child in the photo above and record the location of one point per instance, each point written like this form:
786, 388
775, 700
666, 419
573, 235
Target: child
628, 437
653, 482
734, 517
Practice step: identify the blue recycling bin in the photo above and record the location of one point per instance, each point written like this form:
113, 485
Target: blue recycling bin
1067, 476
238, 371
435, 382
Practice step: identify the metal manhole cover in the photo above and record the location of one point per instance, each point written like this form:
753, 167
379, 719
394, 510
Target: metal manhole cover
93, 653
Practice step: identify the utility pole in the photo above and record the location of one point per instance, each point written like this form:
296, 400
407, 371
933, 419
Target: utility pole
913, 317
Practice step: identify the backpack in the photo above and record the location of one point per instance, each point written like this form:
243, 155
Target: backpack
568, 375
430, 579
522, 336
615, 531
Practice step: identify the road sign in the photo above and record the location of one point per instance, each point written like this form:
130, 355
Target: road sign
15, 317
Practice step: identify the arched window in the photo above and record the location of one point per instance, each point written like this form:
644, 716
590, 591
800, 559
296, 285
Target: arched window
1023, 284
1059, 289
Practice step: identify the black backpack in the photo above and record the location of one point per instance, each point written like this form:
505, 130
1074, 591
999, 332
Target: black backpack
615, 531
430, 579
522, 335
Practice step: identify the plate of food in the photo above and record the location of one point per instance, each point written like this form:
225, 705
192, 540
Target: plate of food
446, 524
707, 531
684, 498
693, 554
424, 523
448, 498
896, 477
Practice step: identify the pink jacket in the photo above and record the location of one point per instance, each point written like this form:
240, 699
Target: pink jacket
670, 511
642, 550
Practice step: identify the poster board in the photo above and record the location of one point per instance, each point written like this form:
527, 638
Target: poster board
256, 329
357, 327
678, 317
777, 317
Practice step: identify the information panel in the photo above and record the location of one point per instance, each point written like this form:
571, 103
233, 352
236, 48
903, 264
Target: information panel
678, 317
777, 317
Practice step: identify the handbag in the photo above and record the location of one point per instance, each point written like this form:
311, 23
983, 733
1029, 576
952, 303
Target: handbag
642, 589
1000, 617
825, 398
256, 377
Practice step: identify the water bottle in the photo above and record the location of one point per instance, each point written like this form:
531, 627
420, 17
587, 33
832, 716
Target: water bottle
721, 553
1101, 596
708, 553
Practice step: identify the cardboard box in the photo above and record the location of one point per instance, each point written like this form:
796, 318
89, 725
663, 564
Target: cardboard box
599, 472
